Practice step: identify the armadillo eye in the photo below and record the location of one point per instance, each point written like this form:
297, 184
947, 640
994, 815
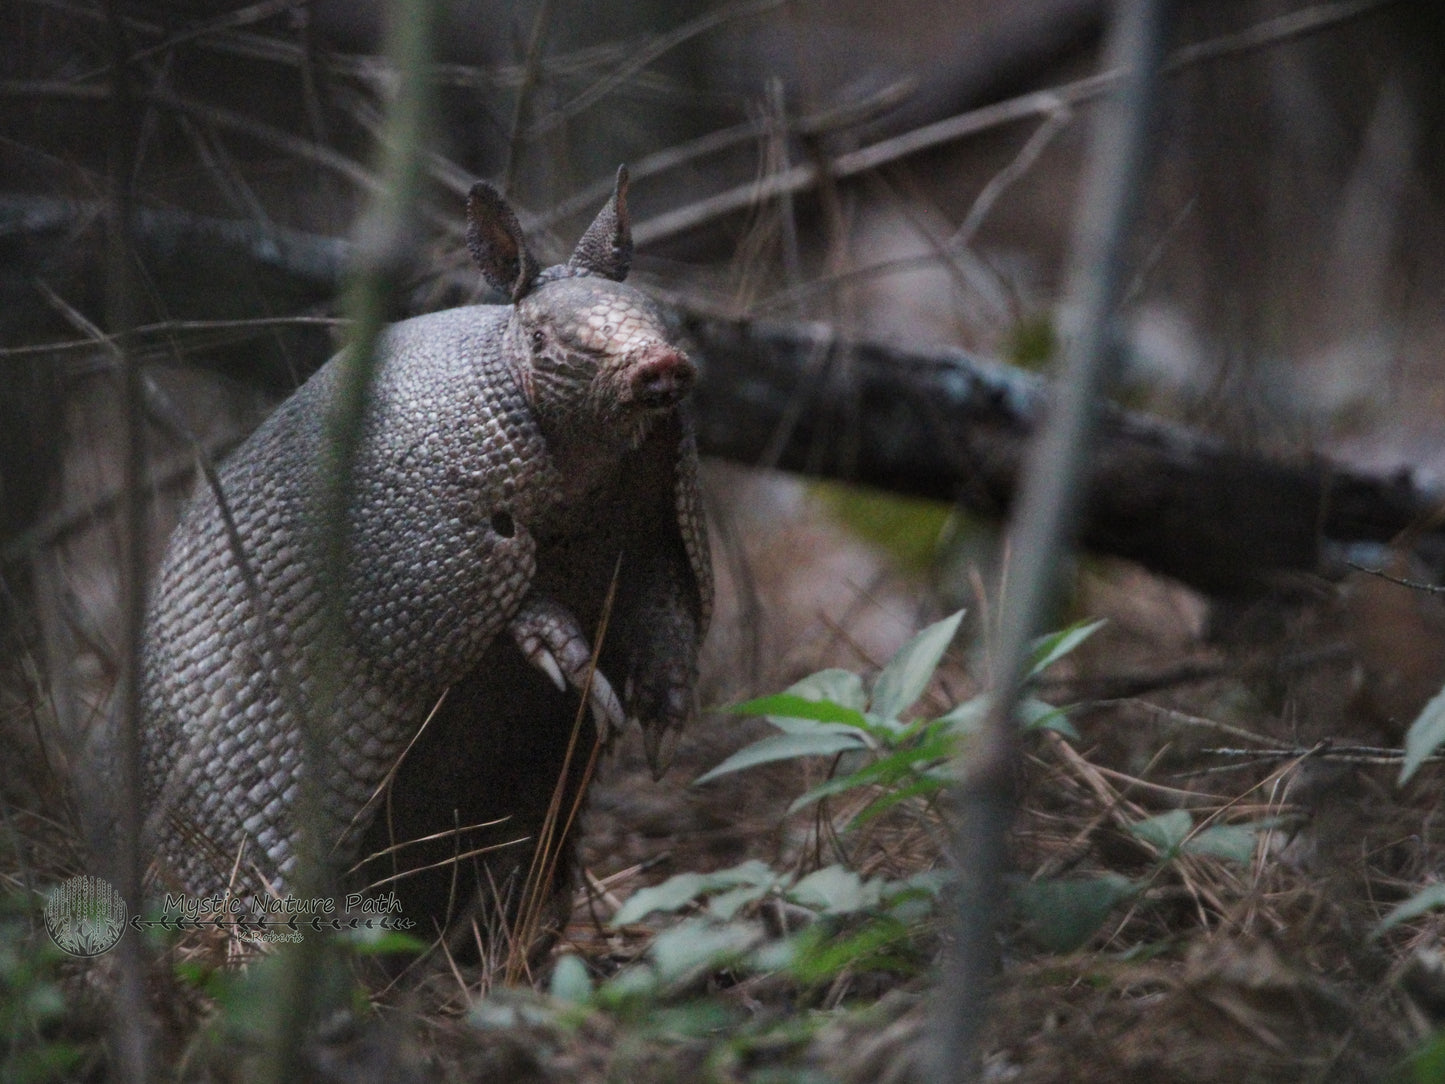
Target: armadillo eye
539, 338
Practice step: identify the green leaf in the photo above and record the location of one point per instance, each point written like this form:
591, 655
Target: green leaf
672, 895
910, 760
1166, 831
725, 905
1427, 1063
967, 717
919, 788
570, 981
773, 955
907, 674
839, 784
820, 743
1425, 735
1427, 899
511, 1010
888, 731
1048, 650
629, 989
364, 942
792, 706
1234, 842
1062, 914
677, 892
842, 687
928, 882
695, 945
1035, 714
820, 957
705, 1018
835, 890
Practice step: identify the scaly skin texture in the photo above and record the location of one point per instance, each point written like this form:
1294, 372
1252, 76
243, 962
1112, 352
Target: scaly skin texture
514, 460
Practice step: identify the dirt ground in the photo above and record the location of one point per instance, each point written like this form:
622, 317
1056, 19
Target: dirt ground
1281, 713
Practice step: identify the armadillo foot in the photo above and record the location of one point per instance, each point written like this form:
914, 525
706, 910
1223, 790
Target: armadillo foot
550, 638
659, 699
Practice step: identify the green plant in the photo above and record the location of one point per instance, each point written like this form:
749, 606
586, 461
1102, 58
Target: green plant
1425, 736
818, 928
1061, 914
32, 1005
888, 759
835, 920
832, 713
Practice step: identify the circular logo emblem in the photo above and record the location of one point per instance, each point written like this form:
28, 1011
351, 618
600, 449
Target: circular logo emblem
85, 916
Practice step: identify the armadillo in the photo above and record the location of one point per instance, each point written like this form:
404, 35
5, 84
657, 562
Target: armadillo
522, 469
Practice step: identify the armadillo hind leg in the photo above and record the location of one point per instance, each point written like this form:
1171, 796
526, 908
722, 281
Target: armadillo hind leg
551, 640
659, 699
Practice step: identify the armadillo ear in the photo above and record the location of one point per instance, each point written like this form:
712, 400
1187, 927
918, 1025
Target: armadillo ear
495, 238
606, 248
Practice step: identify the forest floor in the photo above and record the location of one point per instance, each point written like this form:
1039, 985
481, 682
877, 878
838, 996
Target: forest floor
1201, 870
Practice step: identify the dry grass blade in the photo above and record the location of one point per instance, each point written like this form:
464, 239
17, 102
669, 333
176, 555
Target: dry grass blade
454, 860
836, 118
552, 838
531, 69
170, 328
303, 149
383, 789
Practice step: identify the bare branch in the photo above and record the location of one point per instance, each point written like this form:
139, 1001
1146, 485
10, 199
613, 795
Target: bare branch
1037, 103
641, 58
530, 70
1415, 585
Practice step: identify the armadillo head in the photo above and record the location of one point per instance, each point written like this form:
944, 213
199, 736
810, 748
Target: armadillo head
598, 358
593, 354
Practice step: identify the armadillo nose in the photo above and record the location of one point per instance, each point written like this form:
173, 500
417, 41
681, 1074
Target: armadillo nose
662, 376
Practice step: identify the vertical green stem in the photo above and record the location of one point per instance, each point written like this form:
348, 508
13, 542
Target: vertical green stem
386, 239
132, 1047
1046, 521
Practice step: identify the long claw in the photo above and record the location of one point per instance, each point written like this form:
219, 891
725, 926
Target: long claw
660, 745
544, 661
549, 637
606, 708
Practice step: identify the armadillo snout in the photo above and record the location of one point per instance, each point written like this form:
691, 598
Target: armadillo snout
661, 376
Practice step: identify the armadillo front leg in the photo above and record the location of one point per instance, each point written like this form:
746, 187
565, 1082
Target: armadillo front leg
552, 641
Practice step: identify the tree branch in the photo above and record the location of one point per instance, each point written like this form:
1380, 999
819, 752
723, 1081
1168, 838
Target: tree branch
944, 425
941, 424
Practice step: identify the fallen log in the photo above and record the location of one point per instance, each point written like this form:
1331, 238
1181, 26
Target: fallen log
939, 423
945, 425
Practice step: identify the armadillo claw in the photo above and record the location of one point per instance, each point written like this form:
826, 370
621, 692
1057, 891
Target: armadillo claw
548, 635
606, 708
544, 661
660, 745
